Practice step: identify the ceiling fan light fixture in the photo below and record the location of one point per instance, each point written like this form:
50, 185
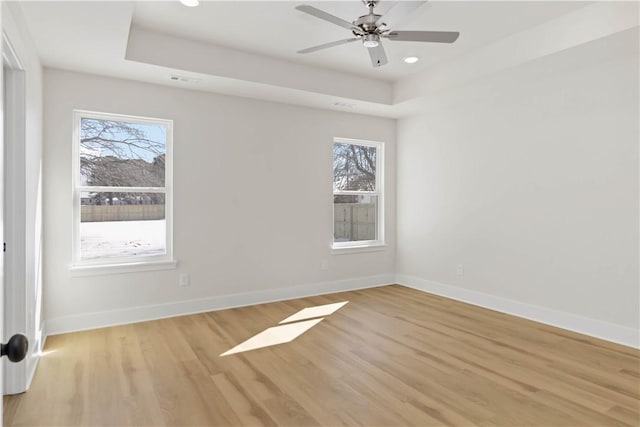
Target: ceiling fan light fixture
371, 40
190, 3
411, 59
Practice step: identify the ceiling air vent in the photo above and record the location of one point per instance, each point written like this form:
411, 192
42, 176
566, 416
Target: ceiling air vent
184, 79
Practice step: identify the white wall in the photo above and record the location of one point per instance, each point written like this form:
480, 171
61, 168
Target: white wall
25, 312
530, 180
253, 203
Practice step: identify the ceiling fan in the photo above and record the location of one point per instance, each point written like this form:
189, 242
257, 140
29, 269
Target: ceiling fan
371, 28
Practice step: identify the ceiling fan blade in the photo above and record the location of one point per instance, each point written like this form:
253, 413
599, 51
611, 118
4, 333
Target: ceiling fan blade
327, 17
326, 45
377, 54
398, 12
423, 36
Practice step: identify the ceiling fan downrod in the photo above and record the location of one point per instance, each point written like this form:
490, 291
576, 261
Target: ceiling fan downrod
368, 23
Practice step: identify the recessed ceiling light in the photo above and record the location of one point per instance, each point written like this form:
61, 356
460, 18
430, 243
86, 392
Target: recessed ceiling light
190, 3
411, 59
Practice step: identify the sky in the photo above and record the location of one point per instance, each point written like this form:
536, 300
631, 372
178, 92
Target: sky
152, 132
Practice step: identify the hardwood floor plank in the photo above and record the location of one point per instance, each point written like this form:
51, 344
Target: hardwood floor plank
625, 415
249, 411
391, 356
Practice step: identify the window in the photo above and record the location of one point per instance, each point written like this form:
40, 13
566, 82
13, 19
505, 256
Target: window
122, 189
357, 193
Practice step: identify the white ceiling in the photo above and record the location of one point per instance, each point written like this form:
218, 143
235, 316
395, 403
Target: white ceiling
276, 29
247, 48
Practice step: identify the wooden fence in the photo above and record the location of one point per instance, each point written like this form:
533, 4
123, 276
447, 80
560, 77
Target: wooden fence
97, 213
354, 221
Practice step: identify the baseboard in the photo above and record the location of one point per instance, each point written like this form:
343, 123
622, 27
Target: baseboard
103, 319
596, 328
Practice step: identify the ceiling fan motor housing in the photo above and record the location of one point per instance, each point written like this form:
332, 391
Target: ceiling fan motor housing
367, 22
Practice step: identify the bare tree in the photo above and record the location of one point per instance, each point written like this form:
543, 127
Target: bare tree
120, 154
354, 167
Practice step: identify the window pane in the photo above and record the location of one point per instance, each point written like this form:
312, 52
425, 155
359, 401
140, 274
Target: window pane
121, 154
122, 224
354, 167
355, 218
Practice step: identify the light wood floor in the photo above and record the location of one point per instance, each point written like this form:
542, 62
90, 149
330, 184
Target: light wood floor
392, 356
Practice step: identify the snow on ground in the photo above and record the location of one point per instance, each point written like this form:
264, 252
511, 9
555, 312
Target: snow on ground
109, 239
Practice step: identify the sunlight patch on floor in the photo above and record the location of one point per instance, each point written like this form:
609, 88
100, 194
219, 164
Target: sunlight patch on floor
317, 311
274, 336
44, 353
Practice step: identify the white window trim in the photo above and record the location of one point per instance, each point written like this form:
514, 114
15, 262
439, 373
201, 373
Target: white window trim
363, 245
121, 264
359, 249
130, 267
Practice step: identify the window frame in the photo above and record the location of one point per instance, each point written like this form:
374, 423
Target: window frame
362, 245
129, 263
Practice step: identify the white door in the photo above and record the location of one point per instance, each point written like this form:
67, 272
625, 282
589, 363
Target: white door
16, 347
1, 209
13, 198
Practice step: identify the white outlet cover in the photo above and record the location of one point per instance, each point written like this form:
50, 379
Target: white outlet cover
184, 279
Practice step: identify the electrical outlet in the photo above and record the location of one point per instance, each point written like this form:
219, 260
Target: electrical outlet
184, 279
460, 270
324, 264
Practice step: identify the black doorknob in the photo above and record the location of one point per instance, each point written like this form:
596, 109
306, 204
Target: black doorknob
16, 349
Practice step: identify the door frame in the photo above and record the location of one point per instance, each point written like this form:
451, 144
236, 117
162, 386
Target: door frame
14, 201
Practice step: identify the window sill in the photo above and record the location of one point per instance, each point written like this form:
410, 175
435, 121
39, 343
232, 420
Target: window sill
134, 267
343, 250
